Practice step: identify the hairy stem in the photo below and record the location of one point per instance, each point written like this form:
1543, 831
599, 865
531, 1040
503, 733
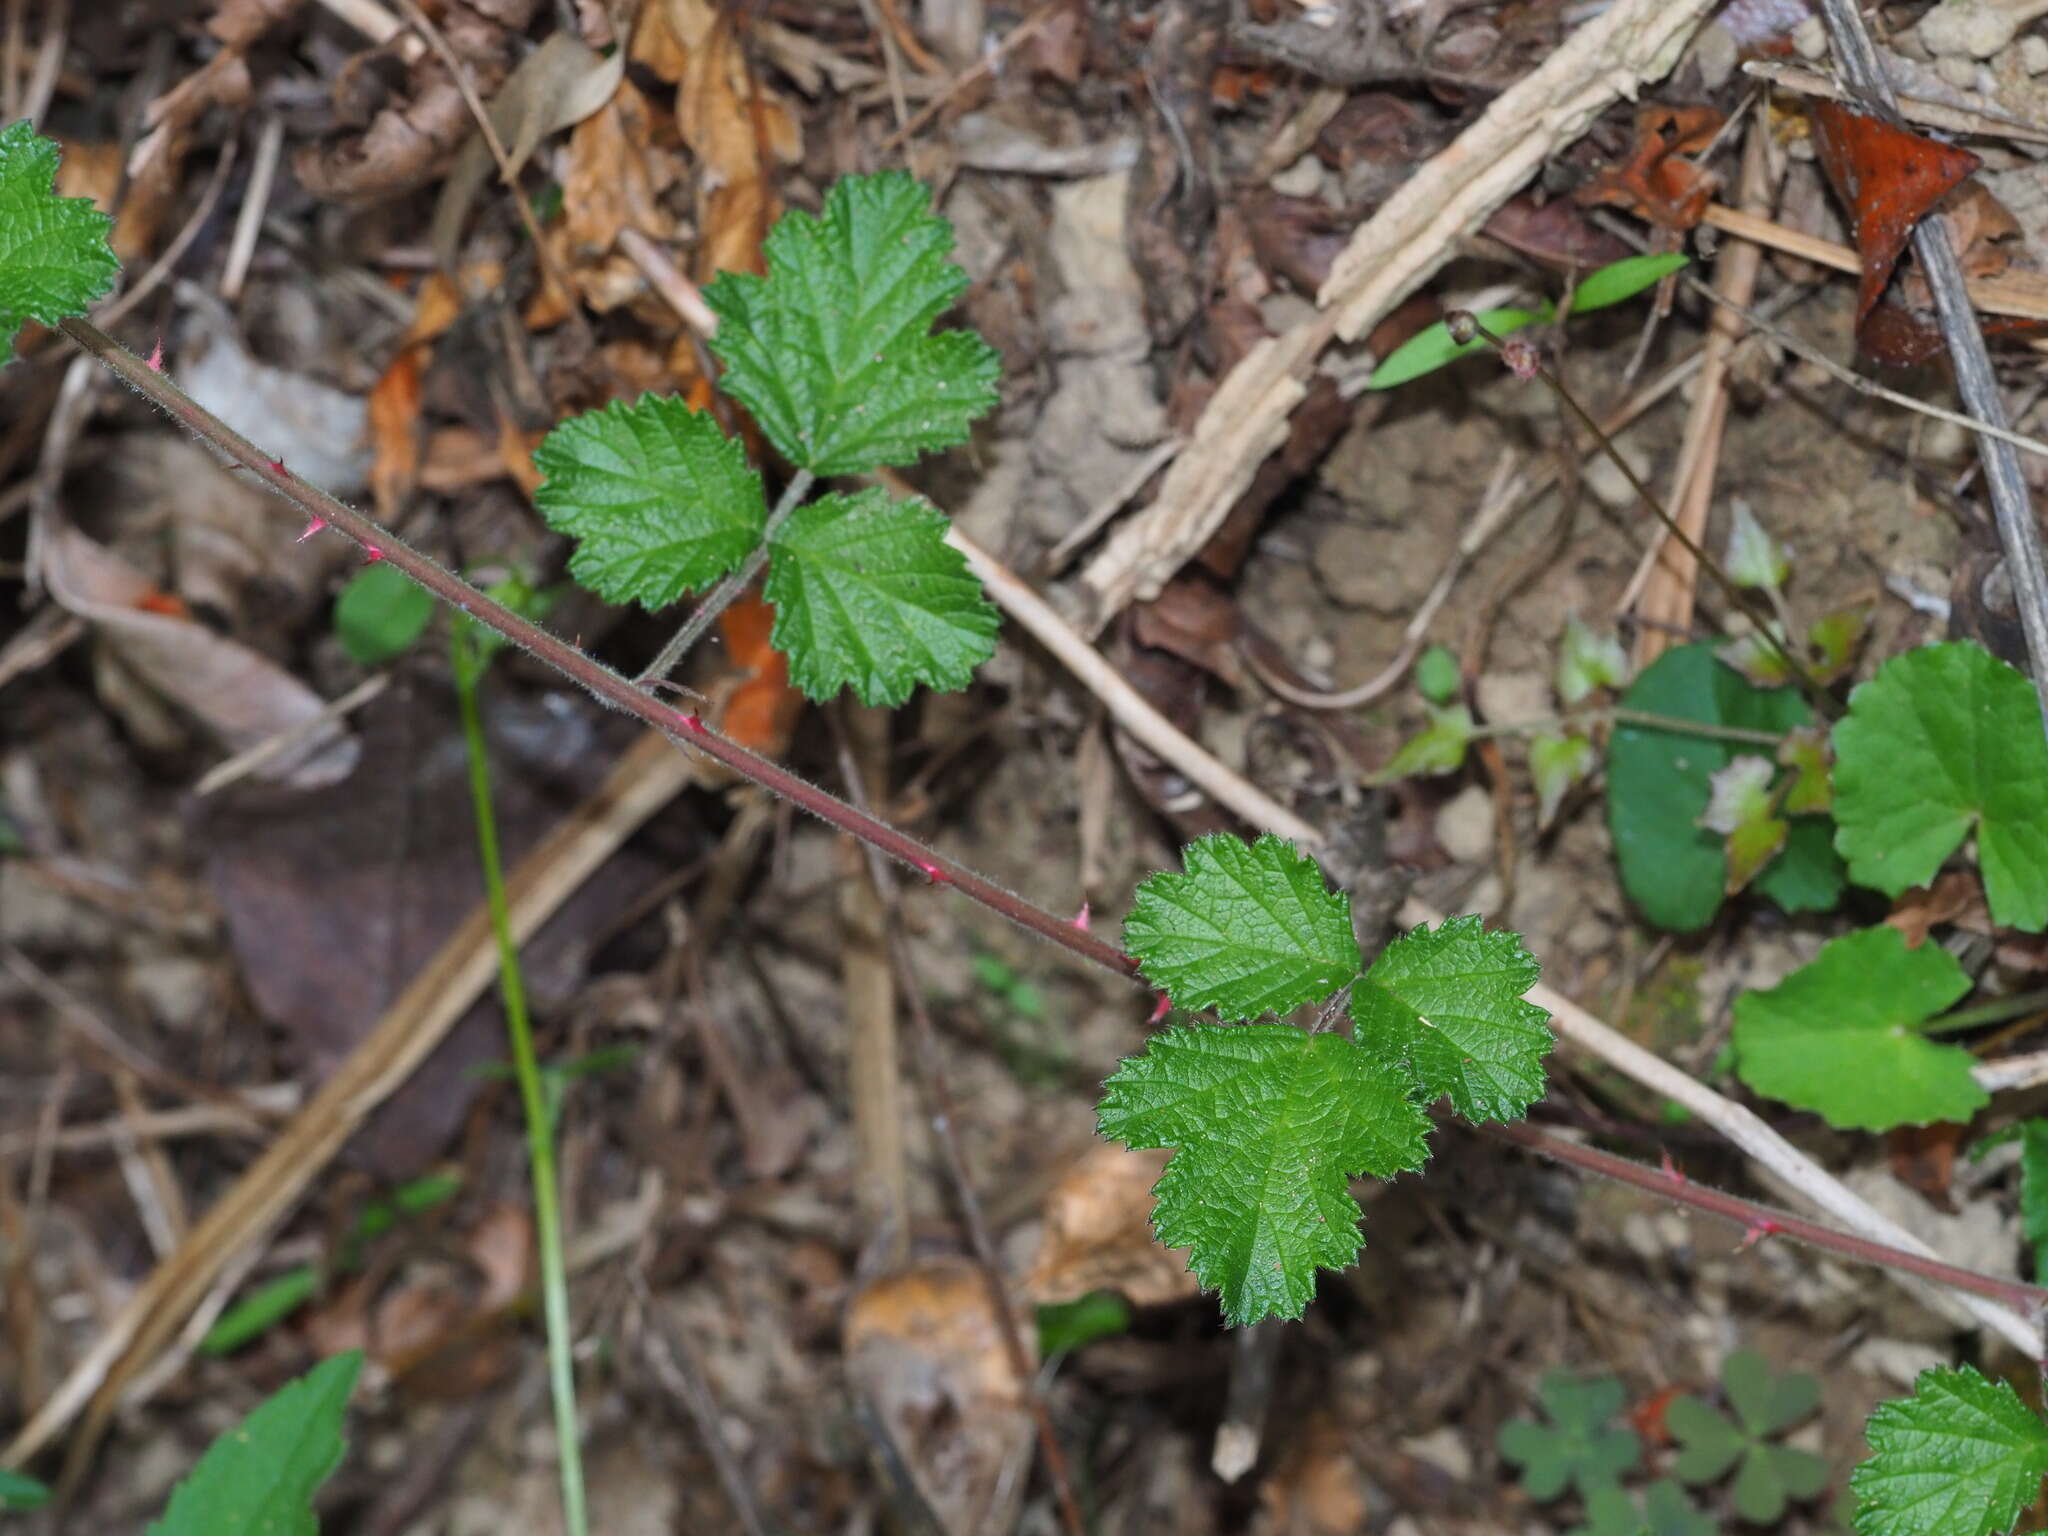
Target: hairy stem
726, 591
607, 686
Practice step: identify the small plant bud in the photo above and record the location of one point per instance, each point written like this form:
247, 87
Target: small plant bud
1519, 354
1462, 324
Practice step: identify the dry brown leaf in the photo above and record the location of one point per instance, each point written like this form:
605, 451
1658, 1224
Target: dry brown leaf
395, 432
614, 180
1098, 1234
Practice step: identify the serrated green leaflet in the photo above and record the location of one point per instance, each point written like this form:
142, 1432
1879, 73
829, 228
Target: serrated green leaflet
1944, 739
1269, 1122
1657, 786
54, 257
259, 1479
1961, 1457
1447, 1003
658, 499
833, 351
1840, 1036
869, 594
1250, 928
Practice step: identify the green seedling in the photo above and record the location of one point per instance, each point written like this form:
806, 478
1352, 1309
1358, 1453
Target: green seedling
1433, 346
1066, 1326
1578, 1447
1436, 675
19, 1492
1768, 1476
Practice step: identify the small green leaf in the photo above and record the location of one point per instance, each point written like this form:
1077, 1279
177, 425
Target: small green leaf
1624, 279
1586, 661
1436, 675
1832, 641
54, 256
1269, 1122
1250, 928
1437, 748
833, 351
1577, 1447
1657, 786
2033, 1135
380, 613
261, 1310
1064, 1326
1841, 1035
1447, 1003
1740, 808
1805, 752
1753, 655
659, 500
18, 1491
1556, 763
868, 593
1961, 1457
1665, 1511
1431, 347
1766, 1404
1946, 739
1754, 558
259, 1479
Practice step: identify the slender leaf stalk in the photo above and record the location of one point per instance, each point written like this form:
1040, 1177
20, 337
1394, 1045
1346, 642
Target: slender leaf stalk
540, 1118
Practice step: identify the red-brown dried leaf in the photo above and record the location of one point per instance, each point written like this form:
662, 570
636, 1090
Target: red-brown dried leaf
1656, 182
1888, 179
1556, 233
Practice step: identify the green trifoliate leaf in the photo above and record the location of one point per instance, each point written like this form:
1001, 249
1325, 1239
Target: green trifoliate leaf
833, 350
1740, 808
259, 1479
1754, 558
1437, 677
1657, 786
1578, 1446
659, 500
1438, 747
868, 593
54, 257
1556, 763
1946, 739
1841, 1036
1269, 1122
1961, 1457
1447, 1003
1624, 279
1766, 1404
1431, 347
1586, 661
1250, 928
1665, 1511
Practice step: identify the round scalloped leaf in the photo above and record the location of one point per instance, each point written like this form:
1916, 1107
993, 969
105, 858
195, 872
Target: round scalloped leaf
1944, 740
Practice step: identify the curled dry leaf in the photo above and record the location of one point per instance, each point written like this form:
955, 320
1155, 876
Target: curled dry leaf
613, 179
1656, 181
238, 695
924, 1349
1098, 1234
395, 144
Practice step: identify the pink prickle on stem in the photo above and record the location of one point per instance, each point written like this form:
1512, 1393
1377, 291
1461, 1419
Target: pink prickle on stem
312, 528
1081, 918
1160, 1010
372, 553
277, 467
155, 361
1757, 1232
1671, 1170
688, 722
932, 872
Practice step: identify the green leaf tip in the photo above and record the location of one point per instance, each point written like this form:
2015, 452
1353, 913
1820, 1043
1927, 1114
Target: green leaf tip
833, 351
1248, 929
659, 499
259, 1478
54, 256
1944, 740
1961, 1457
869, 595
1268, 1122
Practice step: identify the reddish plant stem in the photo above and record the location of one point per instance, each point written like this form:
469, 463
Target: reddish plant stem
1764, 1221
611, 688
608, 686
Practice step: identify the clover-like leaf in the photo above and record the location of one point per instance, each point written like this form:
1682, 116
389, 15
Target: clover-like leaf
1665, 1511
1961, 1457
1447, 1003
1438, 747
259, 1478
1587, 660
1841, 1035
1766, 1404
1946, 739
658, 498
1657, 786
54, 256
868, 593
1250, 928
1268, 1123
833, 351
1578, 1447
1740, 807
